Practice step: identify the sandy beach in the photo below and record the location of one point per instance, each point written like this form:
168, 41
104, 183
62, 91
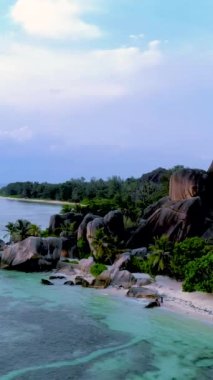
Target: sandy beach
51, 202
197, 304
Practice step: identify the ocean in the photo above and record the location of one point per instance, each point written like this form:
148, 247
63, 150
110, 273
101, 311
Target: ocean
61, 332
37, 213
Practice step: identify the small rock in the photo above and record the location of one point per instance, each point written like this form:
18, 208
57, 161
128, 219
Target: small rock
58, 277
69, 283
140, 292
46, 282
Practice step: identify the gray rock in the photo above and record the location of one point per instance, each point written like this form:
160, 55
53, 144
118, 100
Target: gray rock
92, 228
152, 304
139, 252
69, 283
58, 220
82, 229
46, 282
177, 220
114, 223
85, 264
86, 282
33, 253
58, 276
140, 292
143, 279
123, 279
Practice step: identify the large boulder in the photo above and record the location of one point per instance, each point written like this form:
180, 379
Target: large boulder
177, 220
33, 253
140, 292
85, 264
114, 223
186, 184
155, 206
156, 176
116, 278
57, 221
92, 228
82, 229
123, 279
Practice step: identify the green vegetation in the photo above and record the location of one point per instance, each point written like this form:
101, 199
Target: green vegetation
97, 269
104, 247
21, 229
184, 252
199, 274
190, 260
99, 196
83, 248
138, 264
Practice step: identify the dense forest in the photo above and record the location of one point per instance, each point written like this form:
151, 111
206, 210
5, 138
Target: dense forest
132, 194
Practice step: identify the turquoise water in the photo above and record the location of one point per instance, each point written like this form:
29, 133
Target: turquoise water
61, 333
38, 213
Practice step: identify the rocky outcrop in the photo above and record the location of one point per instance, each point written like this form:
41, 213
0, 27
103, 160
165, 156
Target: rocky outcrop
114, 223
155, 176
177, 220
82, 229
57, 221
34, 253
140, 292
186, 184
116, 276
92, 228
46, 282
143, 279
85, 264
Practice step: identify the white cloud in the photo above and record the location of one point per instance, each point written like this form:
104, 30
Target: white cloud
136, 37
154, 44
21, 134
54, 18
33, 76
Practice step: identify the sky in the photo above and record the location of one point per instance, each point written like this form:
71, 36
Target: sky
96, 88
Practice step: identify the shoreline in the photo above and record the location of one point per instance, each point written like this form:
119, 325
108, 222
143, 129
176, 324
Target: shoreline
196, 305
43, 201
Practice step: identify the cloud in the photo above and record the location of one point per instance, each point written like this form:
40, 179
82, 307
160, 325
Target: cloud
136, 37
54, 18
37, 77
20, 135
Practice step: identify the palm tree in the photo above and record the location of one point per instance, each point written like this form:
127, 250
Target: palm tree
104, 246
159, 258
22, 228
10, 231
34, 230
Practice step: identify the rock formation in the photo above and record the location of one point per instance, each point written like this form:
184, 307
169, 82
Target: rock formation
186, 212
34, 253
57, 221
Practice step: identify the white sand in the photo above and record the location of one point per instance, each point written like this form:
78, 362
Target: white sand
29, 200
196, 304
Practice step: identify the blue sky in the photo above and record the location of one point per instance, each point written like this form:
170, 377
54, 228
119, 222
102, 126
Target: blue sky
104, 87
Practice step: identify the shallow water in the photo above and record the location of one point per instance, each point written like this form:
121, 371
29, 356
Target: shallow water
37, 213
60, 333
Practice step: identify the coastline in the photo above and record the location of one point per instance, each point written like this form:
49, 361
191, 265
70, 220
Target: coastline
196, 305
44, 201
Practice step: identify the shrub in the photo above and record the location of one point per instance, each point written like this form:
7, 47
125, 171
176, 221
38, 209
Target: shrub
83, 248
97, 269
199, 274
184, 252
160, 255
138, 264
